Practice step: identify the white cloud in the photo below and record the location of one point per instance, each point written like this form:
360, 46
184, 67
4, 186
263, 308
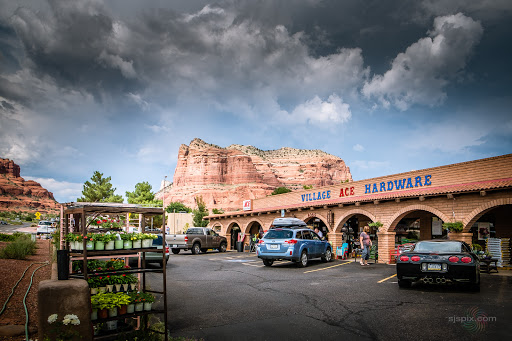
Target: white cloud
421, 73
63, 191
117, 62
358, 148
318, 112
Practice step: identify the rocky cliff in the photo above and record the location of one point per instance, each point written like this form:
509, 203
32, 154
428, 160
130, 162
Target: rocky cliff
224, 177
16, 194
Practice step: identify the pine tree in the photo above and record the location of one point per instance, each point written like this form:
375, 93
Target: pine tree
200, 212
99, 189
143, 195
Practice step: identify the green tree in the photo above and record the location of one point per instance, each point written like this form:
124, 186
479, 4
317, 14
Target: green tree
217, 211
200, 213
99, 189
176, 206
281, 190
143, 195
307, 186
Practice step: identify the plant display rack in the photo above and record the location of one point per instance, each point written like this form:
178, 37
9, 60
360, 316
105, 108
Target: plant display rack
75, 217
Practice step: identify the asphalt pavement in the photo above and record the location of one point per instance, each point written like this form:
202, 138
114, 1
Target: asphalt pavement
232, 296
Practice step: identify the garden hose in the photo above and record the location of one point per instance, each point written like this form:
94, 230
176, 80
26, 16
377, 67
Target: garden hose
14, 287
26, 294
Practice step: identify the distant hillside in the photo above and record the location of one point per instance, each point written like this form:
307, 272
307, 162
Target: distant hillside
224, 177
16, 194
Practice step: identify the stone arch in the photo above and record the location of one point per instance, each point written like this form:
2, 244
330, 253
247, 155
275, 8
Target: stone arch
304, 216
216, 224
339, 223
411, 208
248, 226
481, 210
229, 226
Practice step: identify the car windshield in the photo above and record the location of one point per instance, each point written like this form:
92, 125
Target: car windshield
45, 223
279, 234
438, 247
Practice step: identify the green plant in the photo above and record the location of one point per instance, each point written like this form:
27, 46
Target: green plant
147, 297
118, 279
18, 249
7, 237
115, 265
148, 236
453, 227
63, 330
217, 211
131, 279
135, 297
476, 247
281, 190
376, 224
126, 236
176, 206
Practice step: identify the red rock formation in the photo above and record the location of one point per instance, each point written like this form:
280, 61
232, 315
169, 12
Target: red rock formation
224, 177
16, 194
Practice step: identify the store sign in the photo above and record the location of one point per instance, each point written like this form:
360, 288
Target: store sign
316, 196
247, 205
418, 181
348, 191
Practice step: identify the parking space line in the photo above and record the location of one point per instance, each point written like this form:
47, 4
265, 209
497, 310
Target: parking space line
385, 279
327, 267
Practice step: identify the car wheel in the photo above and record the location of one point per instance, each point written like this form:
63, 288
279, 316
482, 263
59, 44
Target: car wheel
268, 262
223, 247
327, 257
404, 283
196, 249
175, 251
303, 260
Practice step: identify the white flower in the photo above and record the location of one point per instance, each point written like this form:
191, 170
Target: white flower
66, 321
52, 318
71, 317
75, 322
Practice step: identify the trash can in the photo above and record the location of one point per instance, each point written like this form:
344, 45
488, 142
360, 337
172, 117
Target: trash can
63, 264
240, 246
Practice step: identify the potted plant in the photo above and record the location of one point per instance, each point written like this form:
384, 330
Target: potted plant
147, 239
94, 282
453, 227
100, 239
376, 225
148, 300
71, 239
137, 240
118, 242
89, 241
132, 280
109, 243
137, 299
127, 240
121, 301
102, 302
118, 280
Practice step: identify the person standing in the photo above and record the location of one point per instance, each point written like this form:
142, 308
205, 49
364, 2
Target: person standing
320, 234
366, 244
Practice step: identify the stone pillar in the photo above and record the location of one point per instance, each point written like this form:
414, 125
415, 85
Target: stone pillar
386, 243
336, 240
63, 298
461, 236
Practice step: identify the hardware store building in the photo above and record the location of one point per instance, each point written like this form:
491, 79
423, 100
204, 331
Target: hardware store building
411, 206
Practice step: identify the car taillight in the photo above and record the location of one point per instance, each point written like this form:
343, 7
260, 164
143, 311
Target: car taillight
415, 258
291, 241
261, 242
466, 259
453, 259
186, 239
166, 249
404, 258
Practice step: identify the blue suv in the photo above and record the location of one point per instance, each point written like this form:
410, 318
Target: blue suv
290, 239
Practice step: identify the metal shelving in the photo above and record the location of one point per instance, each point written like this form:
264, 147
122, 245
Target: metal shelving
75, 218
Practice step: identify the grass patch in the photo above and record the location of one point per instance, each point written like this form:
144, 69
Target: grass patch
20, 248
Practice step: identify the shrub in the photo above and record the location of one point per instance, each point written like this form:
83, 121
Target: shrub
19, 249
7, 237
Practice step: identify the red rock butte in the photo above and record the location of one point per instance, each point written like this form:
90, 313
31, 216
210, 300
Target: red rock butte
224, 177
16, 194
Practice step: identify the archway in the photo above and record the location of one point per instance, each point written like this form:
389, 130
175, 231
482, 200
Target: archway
351, 224
315, 222
490, 222
417, 222
232, 234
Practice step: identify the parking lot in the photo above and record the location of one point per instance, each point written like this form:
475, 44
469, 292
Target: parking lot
232, 296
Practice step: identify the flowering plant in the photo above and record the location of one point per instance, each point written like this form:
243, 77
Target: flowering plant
148, 236
63, 330
147, 297
126, 236
71, 237
106, 223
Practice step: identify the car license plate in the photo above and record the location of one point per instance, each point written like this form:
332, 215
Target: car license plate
273, 246
174, 245
433, 267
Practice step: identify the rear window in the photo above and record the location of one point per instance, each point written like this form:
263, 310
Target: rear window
279, 234
194, 231
439, 247
45, 223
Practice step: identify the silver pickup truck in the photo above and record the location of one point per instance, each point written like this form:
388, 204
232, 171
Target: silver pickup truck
197, 239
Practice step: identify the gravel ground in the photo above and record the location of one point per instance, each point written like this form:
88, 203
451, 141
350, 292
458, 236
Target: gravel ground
10, 273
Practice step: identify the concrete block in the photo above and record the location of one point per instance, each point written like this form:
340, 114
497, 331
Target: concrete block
63, 298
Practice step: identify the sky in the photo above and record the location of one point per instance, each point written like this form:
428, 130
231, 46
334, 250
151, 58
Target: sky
117, 86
